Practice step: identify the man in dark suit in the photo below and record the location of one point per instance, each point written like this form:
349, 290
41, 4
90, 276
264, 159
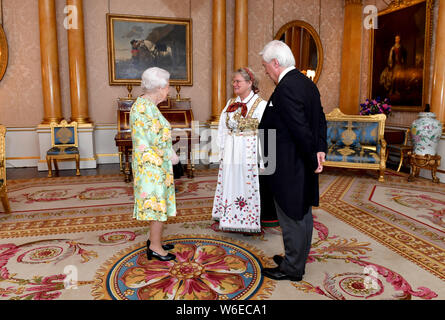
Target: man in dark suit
293, 127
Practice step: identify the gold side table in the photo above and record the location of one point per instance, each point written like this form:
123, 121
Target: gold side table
427, 161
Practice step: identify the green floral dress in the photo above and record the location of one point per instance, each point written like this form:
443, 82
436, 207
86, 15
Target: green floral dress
154, 189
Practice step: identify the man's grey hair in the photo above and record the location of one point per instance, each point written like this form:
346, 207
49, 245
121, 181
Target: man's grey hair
154, 78
277, 49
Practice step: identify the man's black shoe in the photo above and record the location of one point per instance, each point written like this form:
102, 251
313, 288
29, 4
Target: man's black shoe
276, 274
278, 259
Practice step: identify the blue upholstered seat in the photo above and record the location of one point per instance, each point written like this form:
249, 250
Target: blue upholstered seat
63, 150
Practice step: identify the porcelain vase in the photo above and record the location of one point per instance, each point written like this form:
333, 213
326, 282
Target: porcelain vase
426, 131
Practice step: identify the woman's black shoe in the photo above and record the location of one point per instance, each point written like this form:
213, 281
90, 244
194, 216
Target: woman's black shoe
168, 246
152, 254
164, 246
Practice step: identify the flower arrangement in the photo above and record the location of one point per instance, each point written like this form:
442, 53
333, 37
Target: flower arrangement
375, 106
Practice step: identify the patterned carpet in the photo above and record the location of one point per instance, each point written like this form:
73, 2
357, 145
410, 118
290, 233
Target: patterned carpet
45, 206
75, 238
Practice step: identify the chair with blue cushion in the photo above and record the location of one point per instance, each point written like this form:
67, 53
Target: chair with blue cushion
64, 145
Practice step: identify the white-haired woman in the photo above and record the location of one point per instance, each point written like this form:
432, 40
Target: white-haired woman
154, 190
237, 197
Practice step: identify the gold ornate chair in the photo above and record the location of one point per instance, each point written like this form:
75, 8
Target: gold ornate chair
3, 189
64, 145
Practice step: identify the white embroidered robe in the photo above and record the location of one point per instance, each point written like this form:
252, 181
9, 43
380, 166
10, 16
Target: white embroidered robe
237, 196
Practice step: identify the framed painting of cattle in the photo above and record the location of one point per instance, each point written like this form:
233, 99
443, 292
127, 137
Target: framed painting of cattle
136, 43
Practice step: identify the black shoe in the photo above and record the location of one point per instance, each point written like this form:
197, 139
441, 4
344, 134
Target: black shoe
277, 274
152, 254
164, 246
168, 246
278, 259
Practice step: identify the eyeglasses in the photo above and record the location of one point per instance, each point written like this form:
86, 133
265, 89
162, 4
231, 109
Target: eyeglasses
237, 81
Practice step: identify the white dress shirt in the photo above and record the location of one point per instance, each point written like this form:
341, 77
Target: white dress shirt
282, 74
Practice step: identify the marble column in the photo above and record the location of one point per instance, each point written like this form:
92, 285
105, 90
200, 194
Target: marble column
49, 57
77, 63
438, 89
218, 59
74, 23
351, 57
240, 58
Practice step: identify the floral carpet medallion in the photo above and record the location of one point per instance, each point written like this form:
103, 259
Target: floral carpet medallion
205, 268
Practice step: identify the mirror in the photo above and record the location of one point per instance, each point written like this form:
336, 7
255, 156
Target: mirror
306, 46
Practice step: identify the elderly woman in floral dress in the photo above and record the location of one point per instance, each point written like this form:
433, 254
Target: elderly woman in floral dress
154, 190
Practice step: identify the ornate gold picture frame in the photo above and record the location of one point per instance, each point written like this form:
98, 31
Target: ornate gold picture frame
400, 54
3, 53
136, 43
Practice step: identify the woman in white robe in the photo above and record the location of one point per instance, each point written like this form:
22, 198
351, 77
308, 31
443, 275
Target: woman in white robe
237, 196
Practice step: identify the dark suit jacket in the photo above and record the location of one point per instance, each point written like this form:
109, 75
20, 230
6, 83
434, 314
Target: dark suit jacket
298, 118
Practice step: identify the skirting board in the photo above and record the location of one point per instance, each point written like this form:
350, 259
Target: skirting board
26, 147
